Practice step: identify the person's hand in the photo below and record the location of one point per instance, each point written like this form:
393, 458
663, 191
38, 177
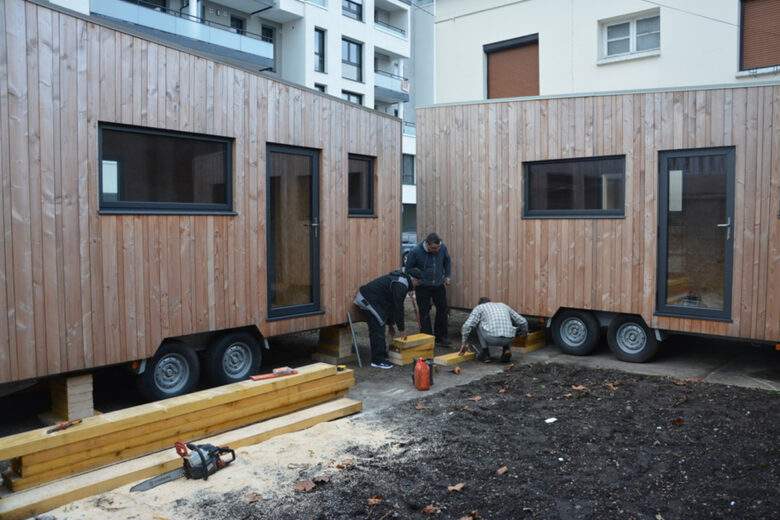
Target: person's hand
447, 282
463, 349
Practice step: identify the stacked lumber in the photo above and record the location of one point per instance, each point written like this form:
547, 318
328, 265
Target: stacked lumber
407, 349
335, 345
453, 358
71, 397
25, 504
109, 438
533, 341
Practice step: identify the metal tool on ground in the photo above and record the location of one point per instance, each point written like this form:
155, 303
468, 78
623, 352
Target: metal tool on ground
354, 340
277, 372
200, 462
63, 426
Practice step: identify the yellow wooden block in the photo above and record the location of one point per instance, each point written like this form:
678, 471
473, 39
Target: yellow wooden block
453, 358
413, 340
407, 357
534, 341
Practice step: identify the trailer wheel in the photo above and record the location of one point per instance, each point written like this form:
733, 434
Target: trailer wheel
174, 370
576, 332
233, 357
631, 340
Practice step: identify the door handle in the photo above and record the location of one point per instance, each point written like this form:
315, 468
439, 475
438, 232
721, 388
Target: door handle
726, 225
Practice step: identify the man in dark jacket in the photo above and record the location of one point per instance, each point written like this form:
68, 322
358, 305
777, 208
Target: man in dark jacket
431, 257
383, 301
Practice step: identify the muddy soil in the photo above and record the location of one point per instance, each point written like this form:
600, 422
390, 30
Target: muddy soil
622, 446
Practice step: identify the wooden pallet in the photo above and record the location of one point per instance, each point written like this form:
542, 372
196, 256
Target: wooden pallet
35, 501
453, 358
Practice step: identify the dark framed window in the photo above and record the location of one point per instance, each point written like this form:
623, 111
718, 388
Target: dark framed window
322, 88
361, 185
351, 59
352, 97
238, 24
319, 50
146, 170
267, 33
408, 169
352, 9
582, 187
759, 39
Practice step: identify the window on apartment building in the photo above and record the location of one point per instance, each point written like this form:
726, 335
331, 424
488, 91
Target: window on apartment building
586, 187
322, 88
267, 33
144, 170
361, 185
629, 36
352, 97
408, 169
238, 24
352, 9
319, 50
351, 59
513, 67
759, 34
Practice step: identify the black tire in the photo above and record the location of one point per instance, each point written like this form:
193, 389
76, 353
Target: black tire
233, 357
631, 340
174, 370
576, 332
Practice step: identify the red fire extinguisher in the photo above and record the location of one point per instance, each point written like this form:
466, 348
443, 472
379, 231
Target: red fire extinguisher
423, 375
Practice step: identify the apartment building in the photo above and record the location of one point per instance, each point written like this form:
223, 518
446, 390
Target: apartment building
501, 48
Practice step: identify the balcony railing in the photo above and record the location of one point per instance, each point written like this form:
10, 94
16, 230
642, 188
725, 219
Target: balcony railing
410, 128
390, 81
392, 28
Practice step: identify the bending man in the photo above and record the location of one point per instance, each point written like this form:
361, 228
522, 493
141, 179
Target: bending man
496, 325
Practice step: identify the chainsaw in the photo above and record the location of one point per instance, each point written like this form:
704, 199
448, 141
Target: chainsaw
199, 462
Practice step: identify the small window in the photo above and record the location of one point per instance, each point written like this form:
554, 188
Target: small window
322, 88
759, 34
267, 33
408, 173
587, 187
352, 9
319, 50
361, 185
641, 34
351, 60
352, 97
145, 170
238, 24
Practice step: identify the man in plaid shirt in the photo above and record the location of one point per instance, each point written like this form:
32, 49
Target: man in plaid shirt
496, 325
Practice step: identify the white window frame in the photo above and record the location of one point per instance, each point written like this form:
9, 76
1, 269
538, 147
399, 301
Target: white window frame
632, 53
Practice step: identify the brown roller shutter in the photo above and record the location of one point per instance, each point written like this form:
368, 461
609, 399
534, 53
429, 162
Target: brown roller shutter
760, 34
513, 68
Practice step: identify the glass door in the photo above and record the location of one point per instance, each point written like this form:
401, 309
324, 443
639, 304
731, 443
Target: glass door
293, 231
695, 233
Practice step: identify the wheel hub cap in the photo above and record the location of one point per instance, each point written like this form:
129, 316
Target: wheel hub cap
631, 338
237, 360
573, 332
171, 373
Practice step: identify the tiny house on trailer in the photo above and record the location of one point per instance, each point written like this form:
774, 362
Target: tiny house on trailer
162, 205
643, 212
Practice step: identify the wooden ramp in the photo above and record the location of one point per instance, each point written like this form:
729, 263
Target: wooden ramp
35, 501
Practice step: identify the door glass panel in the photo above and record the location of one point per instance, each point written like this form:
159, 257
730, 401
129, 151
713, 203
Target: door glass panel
291, 230
697, 238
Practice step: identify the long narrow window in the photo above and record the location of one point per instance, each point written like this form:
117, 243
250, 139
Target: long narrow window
759, 34
145, 170
592, 186
351, 60
319, 50
352, 9
361, 185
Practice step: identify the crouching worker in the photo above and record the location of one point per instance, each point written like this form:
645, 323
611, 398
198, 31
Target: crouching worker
496, 325
383, 301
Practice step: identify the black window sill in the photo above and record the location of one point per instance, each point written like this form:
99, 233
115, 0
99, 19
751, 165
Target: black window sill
360, 81
194, 213
360, 215
573, 216
682, 316
293, 316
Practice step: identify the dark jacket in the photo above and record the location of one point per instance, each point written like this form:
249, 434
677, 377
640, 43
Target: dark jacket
434, 266
386, 295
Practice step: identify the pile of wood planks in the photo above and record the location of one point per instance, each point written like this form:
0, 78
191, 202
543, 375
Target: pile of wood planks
38, 457
407, 349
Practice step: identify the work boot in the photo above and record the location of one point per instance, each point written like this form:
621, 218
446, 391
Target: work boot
506, 355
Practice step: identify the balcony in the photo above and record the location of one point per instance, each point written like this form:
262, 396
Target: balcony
389, 87
410, 129
181, 24
392, 29
391, 18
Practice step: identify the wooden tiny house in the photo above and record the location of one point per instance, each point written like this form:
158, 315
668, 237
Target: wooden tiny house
663, 205
149, 192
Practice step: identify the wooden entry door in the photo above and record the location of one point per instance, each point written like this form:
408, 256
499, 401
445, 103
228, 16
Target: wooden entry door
293, 231
696, 233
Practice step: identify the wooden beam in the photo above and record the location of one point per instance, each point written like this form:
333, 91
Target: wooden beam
413, 340
45, 498
454, 358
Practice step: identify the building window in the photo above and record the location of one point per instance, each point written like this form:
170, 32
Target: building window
408, 173
319, 50
352, 9
586, 187
267, 33
159, 171
352, 97
513, 67
322, 88
351, 60
361, 185
759, 34
630, 36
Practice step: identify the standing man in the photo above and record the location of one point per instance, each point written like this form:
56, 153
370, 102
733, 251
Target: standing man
383, 301
497, 324
431, 257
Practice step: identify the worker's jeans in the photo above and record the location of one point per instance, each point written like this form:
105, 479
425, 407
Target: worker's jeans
486, 340
437, 295
376, 337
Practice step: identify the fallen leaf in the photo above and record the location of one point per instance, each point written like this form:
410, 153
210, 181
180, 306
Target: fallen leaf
579, 388
529, 395
346, 463
251, 498
474, 515
502, 470
304, 486
456, 371
475, 398
509, 367
678, 421
321, 479
430, 509
375, 500
420, 406
679, 382
457, 487
612, 386
502, 390
567, 395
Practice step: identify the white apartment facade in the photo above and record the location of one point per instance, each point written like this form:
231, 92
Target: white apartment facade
505, 48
